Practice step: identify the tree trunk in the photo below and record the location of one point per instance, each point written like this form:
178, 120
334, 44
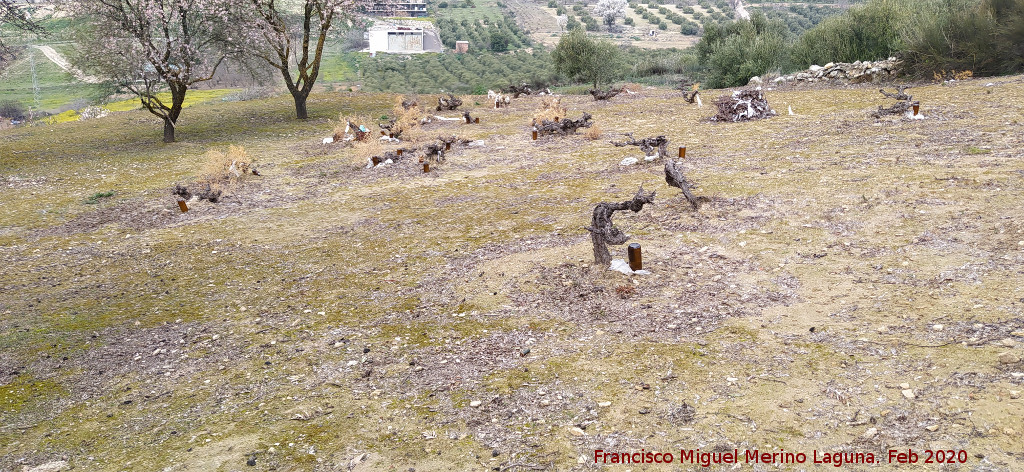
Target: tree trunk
171, 118
300, 104
168, 131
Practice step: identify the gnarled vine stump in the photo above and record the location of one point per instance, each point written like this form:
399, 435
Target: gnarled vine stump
603, 232
675, 178
563, 127
606, 94
450, 102
647, 145
899, 108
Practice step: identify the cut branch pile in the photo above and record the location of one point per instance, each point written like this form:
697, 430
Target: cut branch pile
674, 177
900, 108
743, 105
603, 232
606, 94
564, 126
451, 102
647, 145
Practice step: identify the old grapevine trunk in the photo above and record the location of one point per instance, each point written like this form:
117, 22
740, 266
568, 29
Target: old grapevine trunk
603, 232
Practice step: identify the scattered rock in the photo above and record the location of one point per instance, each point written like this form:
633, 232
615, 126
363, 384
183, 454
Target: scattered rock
55, 466
1014, 394
1009, 432
475, 403
1008, 358
908, 393
576, 431
845, 72
870, 433
933, 428
938, 327
604, 404
904, 386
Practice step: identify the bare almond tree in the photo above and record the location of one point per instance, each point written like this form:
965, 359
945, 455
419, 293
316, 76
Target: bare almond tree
294, 43
156, 49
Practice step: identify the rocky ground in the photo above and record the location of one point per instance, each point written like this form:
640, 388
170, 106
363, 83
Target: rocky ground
852, 286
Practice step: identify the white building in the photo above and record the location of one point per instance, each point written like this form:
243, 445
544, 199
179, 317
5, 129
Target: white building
402, 39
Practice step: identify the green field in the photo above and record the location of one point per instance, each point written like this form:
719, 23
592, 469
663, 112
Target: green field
57, 88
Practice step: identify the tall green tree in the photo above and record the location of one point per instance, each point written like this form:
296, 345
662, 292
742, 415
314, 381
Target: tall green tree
583, 59
733, 52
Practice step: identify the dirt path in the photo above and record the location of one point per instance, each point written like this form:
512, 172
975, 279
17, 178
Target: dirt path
63, 63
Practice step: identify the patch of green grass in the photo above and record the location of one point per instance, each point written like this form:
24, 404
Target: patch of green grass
973, 151
95, 198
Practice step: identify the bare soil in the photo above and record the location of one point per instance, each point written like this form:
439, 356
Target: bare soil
851, 286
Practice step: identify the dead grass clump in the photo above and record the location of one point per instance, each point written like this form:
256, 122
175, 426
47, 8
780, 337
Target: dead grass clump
408, 115
551, 109
594, 132
944, 75
222, 172
632, 87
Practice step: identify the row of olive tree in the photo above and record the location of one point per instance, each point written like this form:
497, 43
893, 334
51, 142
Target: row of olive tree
152, 46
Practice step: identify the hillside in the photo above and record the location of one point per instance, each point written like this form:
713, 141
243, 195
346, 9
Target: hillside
852, 286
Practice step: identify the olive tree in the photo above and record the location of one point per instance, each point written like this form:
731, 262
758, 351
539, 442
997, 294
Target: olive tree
581, 58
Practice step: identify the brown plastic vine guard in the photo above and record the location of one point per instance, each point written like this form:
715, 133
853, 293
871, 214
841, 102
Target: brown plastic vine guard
636, 261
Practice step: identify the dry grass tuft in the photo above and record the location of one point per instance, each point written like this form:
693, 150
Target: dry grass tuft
223, 171
551, 109
632, 87
594, 132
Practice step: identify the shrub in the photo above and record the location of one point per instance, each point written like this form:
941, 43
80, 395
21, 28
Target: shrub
13, 110
629, 21
442, 5
552, 4
984, 37
662, 26
867, 32
733, 52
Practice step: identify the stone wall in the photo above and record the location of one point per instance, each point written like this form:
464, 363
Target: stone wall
842, 72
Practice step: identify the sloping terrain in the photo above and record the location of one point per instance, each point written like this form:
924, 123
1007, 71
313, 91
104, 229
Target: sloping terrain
852, 286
